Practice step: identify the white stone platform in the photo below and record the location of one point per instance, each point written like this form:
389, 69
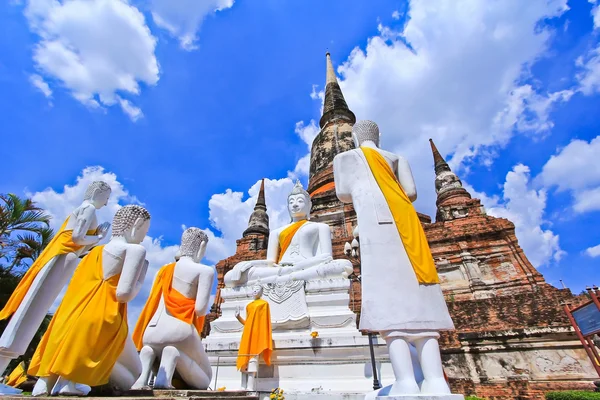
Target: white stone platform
336, 361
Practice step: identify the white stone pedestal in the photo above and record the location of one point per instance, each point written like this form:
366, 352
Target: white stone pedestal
336, 361
423, 397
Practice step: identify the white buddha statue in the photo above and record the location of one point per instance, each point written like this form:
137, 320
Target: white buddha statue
401, 294
40, 286
87, 342
172, 320
300, 250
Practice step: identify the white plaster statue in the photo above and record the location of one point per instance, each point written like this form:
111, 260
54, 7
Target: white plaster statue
307, 256
250, 371
79, 233
394, 302
123, 257
174, 335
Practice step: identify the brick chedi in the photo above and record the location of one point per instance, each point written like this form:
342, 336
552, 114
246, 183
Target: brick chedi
512, 338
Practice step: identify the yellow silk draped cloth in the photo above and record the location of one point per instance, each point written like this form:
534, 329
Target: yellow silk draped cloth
88, 331
405, 217
257, 337
17, 376
179, 306
286, 236
61, 243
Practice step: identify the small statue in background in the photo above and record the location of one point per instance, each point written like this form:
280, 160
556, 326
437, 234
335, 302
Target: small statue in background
257, 338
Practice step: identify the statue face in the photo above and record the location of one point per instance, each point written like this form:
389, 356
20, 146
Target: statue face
298, 206
257, 291
100, 198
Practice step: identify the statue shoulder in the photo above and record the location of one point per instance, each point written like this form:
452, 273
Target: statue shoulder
85, 210
135, 249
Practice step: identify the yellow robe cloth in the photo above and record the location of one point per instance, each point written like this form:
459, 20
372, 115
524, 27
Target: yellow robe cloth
88, 331
61, 243
286, 235
17, 376
179, 306
257, 337
406, 219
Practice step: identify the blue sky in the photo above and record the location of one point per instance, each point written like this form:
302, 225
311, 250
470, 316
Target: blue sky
184, 105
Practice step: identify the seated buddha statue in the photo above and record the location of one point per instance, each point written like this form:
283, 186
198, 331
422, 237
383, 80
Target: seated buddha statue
300, 250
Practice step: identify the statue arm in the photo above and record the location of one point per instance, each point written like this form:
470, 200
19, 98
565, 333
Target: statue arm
82, 226
205, 282
135, 258
273, 247
142, 277
341, 189
405, 177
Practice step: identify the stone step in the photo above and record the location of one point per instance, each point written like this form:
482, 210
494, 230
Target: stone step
162, 395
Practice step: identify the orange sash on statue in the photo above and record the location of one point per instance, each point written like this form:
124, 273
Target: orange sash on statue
179, 306
257, 338
61, 243
17, 376
406, 219
286, 235
87, 333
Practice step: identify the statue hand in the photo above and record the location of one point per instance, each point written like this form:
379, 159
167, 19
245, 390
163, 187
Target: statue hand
102, 229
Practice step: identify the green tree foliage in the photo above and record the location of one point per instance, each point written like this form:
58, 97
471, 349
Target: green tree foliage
24, 233
572, 395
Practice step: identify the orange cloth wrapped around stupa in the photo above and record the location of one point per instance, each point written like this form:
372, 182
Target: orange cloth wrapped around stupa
179, 306
88, 331
257, 337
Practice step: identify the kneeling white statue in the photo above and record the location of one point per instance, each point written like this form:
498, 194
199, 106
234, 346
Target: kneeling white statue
172, 319
88, 334
401, 295
42, 283
299, 251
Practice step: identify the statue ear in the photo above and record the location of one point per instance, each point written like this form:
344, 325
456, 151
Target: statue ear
201, 251
137, 225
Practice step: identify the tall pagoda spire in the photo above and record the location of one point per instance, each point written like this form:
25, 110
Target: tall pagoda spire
335, 136
451, 195
258, 224
334, 104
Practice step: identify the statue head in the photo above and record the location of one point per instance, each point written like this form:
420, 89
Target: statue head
97, 193
299, 203
193, 244
257, 291
364, 131
132, 223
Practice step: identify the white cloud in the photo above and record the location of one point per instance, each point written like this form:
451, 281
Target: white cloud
61, 203
229, 214
396, 15
94, 48
593, 251
595, 13
525, 207
183, 18
307, 133
575, 168
589, 64
132, 111
40, 84
470, 98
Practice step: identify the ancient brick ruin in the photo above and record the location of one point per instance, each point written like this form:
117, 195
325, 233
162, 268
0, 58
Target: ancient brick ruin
512, 338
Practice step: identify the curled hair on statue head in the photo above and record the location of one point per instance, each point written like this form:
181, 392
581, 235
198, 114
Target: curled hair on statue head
364, 131
191, 241
94, 188
126, 217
